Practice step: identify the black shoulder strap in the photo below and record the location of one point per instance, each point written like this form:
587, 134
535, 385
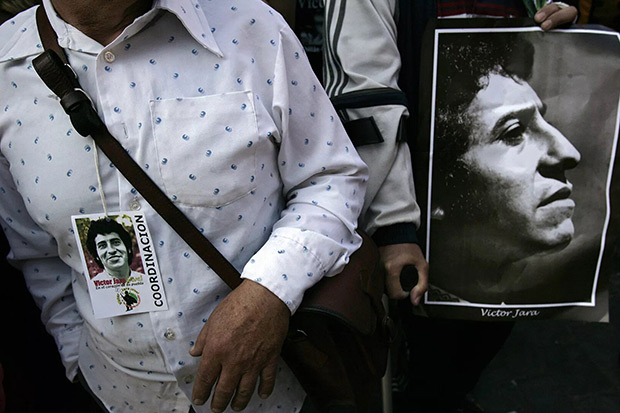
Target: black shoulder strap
364, 131
54, 70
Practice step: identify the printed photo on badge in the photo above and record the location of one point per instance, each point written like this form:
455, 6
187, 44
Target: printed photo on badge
119, 264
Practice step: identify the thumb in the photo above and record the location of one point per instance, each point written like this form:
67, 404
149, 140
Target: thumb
196, 349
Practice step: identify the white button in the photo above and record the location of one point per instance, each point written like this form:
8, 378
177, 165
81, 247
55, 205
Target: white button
188, 379
169, 335
109, 57
134, 205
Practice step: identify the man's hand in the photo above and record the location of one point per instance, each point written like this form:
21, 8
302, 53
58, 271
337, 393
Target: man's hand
241, 342
395, 257
553, 15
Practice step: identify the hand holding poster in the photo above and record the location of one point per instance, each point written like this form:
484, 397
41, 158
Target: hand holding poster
522, 142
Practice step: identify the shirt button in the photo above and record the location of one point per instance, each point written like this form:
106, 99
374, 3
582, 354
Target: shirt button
134, 205
169, 335
109, 57
188, 379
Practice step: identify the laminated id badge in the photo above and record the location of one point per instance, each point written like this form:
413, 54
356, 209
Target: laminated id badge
119, 263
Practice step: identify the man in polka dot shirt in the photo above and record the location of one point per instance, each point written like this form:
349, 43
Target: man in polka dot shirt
216, 101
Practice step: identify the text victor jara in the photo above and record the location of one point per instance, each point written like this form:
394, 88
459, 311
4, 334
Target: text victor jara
110, 282
488, 312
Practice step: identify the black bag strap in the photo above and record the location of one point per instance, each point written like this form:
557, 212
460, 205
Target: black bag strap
369, 97
53, 68
364, 131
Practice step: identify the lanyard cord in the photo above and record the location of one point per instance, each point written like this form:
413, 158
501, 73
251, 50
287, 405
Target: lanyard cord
99, 182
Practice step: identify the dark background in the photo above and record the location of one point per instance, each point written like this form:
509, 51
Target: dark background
34, 378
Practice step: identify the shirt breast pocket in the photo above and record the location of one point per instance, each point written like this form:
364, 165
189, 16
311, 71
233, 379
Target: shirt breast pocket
206, 147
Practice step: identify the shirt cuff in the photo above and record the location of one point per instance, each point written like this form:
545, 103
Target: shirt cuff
287, 266
402, 233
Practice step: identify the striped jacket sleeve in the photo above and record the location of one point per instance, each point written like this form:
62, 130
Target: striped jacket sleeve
361, 72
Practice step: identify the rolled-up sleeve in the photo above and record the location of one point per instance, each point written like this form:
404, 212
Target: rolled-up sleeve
323, 179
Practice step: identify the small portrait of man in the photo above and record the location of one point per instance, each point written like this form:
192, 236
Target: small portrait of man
502, 176
110, 245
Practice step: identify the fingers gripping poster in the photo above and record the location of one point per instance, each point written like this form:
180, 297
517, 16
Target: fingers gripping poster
522, 199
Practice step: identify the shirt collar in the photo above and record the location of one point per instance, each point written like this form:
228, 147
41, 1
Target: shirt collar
24, 40
68, 36
189, 12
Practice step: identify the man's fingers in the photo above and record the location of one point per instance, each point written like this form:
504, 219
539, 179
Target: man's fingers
418, 291
393, 268
224, 390
393, 286
552, 16
206, 377
244, 392
267, 380
397, 257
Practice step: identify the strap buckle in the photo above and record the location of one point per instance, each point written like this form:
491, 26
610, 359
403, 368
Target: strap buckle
63, 81
78, 105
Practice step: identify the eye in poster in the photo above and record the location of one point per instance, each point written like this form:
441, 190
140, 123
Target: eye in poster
521, 217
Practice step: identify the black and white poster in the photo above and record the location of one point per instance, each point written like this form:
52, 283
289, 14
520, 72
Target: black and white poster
521, 214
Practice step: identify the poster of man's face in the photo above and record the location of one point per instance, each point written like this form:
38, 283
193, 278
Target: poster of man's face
523, 142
